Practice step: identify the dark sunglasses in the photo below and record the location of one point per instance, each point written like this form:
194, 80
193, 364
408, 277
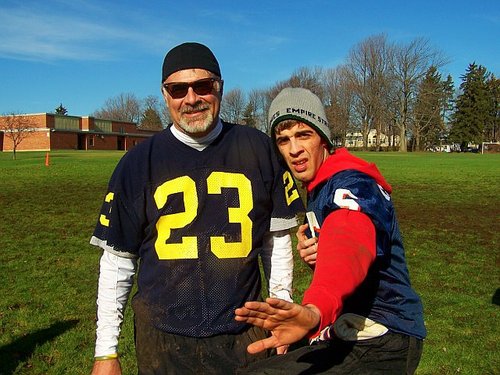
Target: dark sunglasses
178, 90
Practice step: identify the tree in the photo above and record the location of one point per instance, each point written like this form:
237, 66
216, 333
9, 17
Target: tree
309, 78
61, 110
17, 128
232, 106
249, 115
430, 104
257, 103
340, 96
409, 65
492, 126
473, 111
124, 107
151, 118
369, 65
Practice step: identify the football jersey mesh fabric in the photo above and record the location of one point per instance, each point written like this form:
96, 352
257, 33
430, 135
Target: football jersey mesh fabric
196, 220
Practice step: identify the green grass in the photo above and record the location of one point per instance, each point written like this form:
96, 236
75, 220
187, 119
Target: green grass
447, 204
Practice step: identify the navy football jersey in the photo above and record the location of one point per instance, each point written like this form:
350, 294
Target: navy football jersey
196, 220
386, 295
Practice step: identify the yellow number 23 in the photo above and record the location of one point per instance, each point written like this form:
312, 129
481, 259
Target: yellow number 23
188, 248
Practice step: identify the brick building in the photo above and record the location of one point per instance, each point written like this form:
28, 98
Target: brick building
50, 131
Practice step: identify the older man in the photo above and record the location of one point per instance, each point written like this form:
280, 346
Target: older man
360, 312
196, 204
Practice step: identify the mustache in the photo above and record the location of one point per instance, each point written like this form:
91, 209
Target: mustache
194, 108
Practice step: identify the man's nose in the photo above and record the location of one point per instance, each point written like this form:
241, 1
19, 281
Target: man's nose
295, 146
191, 97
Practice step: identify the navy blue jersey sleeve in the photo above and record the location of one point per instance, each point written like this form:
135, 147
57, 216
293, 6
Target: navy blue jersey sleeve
118, 227
356, 191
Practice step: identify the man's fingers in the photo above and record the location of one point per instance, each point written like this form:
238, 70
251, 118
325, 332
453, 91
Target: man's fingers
301, 232
277, 303
243, 314
261, 345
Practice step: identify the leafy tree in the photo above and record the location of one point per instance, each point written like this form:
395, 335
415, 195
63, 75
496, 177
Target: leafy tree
448, 96
473, 111
492, 126
151, 120
151, 115
61, 110
429, 108
17, 128
249, 116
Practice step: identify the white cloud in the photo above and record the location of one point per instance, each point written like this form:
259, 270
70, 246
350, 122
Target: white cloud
30, 33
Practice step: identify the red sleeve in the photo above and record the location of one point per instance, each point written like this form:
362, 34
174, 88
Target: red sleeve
346, 250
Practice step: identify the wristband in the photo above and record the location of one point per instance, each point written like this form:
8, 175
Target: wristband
105, 357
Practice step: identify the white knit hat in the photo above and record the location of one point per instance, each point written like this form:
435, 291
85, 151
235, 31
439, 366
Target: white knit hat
295, 103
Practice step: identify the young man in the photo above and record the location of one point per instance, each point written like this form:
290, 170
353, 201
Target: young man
196, 204
360, 312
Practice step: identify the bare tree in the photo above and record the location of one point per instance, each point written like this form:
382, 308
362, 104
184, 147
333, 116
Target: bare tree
233, 106
339, 92
369, 64
410, 63
309, 78
17, 128
124, 107
257, 100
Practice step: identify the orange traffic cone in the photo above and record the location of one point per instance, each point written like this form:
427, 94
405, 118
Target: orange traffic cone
47, 159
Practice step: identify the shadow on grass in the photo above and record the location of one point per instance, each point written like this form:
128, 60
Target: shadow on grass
496, 297
22, 348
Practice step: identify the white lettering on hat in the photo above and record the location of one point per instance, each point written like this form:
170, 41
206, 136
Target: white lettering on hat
275, 116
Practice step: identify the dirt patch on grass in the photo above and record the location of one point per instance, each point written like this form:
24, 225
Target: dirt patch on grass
458, 220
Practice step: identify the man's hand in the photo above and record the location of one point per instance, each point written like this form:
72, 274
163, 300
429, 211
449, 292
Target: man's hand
282, 349
287, 321
107, 367
307, 247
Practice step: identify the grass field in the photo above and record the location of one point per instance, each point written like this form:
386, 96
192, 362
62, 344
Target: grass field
448, 206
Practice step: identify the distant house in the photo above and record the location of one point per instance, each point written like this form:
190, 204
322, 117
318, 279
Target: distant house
355, 139
57, 132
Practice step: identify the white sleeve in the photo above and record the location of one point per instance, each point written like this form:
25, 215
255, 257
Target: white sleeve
116, 278
277, 260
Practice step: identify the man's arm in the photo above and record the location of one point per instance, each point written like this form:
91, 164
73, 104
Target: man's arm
346, 250
289, 322
277, 260
107, 367
116, 278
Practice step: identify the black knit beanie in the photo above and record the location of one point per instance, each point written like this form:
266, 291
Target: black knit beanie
189, 56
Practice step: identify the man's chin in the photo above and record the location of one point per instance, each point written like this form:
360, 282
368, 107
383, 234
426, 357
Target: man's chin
301, 176
196, 128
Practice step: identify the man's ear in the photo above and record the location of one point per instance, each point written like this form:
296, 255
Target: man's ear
221, 90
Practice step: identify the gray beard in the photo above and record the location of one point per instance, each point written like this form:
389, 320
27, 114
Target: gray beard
201, 124
198, 125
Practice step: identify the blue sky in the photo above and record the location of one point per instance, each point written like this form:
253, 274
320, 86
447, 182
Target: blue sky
82, 52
